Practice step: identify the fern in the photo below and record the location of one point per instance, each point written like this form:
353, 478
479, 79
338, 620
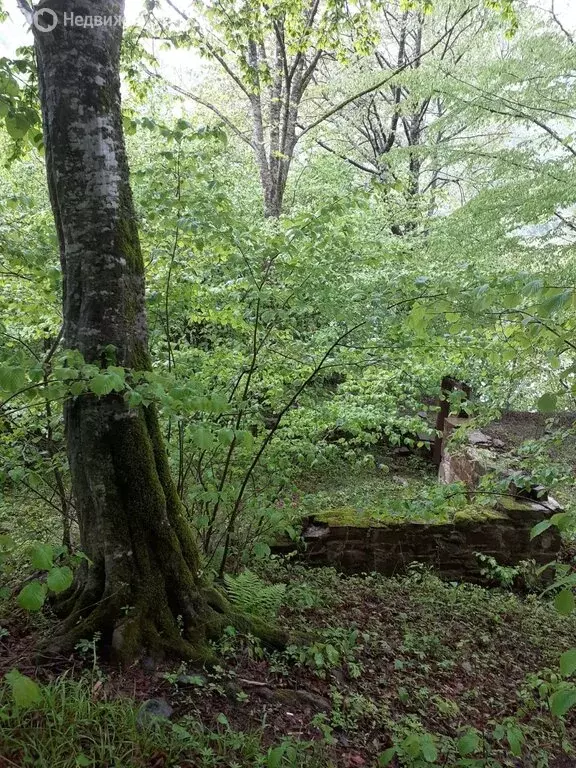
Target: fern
252, 595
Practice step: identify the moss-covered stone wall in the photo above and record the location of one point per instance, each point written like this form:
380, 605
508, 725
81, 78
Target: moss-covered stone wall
449, 547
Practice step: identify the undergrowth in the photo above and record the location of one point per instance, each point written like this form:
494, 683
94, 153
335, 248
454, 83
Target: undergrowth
71, 727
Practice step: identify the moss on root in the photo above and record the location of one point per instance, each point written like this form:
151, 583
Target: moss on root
129, 634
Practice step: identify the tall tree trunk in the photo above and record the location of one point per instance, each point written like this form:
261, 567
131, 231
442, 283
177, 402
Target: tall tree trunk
142, 591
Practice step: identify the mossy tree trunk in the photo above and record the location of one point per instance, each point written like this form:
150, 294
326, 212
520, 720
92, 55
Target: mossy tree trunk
143, 591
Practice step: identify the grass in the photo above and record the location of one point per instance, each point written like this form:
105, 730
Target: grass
71, 727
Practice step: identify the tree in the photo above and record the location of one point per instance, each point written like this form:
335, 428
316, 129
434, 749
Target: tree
401, 134
282, 59
143, 577
271, 55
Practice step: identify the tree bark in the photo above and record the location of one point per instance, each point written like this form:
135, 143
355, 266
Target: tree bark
143, 590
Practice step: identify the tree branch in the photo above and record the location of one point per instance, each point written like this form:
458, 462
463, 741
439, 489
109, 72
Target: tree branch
204, 103
387, 79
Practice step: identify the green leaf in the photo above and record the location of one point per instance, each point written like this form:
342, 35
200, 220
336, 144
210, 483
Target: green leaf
515, 739
547, 403
222, 719
564, 602
274, 757
261, 549
110, 380
102, 384
561, 520
202, 437
539, 528
12, 379
42, 557
59, 579
32, 596
387, 756
25, 691
561, 701
225, 436
134, 399
83, 760
468, 743
429, 751
17, 126
568, 662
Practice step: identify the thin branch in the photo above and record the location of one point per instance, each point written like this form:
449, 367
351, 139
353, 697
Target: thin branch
387, 79
356, 164
204, 103
559, 23
271, 434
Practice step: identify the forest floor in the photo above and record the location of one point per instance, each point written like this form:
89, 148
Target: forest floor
449, 674
392, 659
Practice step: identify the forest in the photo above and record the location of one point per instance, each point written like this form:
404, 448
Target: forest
287, 383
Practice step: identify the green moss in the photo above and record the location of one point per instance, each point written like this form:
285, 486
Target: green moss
365, 518
475, 513
377, 518
349, 516
513, 505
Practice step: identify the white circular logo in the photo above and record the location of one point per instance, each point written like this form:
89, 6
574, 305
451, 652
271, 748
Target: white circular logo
45, 20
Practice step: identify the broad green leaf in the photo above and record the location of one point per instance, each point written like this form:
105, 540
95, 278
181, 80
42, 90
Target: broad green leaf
59, 579
547, 403
275, 757
225, 436
104, 383
515, 739
261, 549
25, 691
387, 757
429, 751
561, 520
42, 557
202, 437
134, 399
468, 743
222, 719
32, 596
101, 384
564, 602
539, 528
17, 126
561, 701
568, 662
12, 379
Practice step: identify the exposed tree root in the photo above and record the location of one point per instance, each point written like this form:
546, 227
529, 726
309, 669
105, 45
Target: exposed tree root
128, 633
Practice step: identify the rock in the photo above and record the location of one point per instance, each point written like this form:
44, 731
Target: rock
314, 700
151, 710
482, 440
316, 531
299, 699
232, 690
265, 693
